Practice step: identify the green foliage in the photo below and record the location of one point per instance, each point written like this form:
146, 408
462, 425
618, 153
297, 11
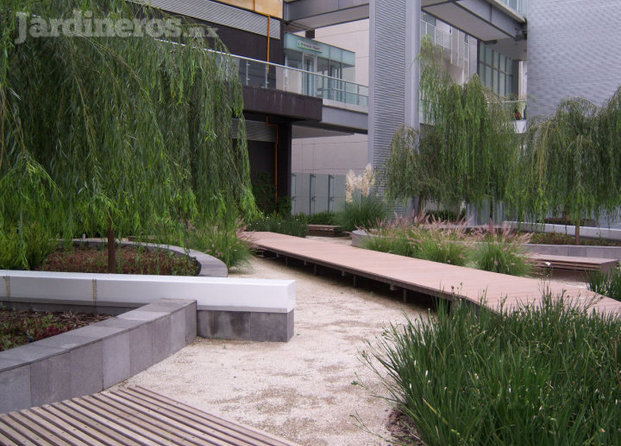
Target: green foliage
223, 242
411, 170
323, 218
466, 153
606, 284
282, 224
25, 247
500, 255
391, 237
436, 242
138, 136
438, 247
451, 243
362, 212
560, 168
543, 376
571, 163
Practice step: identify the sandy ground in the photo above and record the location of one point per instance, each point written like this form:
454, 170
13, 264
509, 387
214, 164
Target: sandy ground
305, 390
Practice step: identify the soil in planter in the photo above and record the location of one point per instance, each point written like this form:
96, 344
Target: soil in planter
555, 238
131, 260
21, 327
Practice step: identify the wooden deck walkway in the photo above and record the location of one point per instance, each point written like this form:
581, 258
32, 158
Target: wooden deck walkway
430, 278
132, 416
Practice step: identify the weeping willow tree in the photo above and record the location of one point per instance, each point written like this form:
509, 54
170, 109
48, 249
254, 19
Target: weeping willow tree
411, 169
571, 163
467, 151
115, 135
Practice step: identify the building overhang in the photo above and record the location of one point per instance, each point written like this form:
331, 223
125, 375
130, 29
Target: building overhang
281, 103
313, 14
487, 20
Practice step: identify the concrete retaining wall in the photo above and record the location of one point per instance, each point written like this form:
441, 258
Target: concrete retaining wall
172, 311
93, 358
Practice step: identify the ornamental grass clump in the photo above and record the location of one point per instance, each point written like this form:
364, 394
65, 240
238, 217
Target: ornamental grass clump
607, 284
443, 242
434, 240
542, 376
392, 237
363, 208
503, 252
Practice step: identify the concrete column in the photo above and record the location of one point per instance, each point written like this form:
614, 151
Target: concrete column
394, 30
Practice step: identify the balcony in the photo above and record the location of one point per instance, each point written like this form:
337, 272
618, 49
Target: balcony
257, 73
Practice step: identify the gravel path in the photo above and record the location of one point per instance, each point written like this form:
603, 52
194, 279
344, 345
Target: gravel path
305, 390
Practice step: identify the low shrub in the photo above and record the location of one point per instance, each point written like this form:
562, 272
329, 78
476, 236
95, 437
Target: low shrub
607, 284
322, 218
361, 212
393, 241
541, 376
223, 242
436, 241
503, 253
439, 242
443, 250
25, 248
289, 225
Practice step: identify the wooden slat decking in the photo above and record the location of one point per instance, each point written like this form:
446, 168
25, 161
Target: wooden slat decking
431, 278
572, 263
132, 416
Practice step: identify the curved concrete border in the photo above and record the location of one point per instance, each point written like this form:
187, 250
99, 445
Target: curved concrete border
596, 252
210, 266
585, 231
93, 358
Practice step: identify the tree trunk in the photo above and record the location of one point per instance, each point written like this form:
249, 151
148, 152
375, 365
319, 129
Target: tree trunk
491, 216
419, 207
578, 231
111, 251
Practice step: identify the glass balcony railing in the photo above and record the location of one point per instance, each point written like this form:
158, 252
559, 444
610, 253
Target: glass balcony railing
257, 73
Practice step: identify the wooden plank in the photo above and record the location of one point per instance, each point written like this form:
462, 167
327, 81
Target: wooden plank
125, 417
92, 423
75, 435
153, 420
436, 279
26, 436
188, 425
129, 421
15, 436
256, 436
50, 433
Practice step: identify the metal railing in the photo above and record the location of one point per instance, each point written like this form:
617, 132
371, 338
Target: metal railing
258, 73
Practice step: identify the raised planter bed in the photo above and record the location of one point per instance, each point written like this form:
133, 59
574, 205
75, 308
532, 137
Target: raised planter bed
92, 358
565, 257
209, 265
